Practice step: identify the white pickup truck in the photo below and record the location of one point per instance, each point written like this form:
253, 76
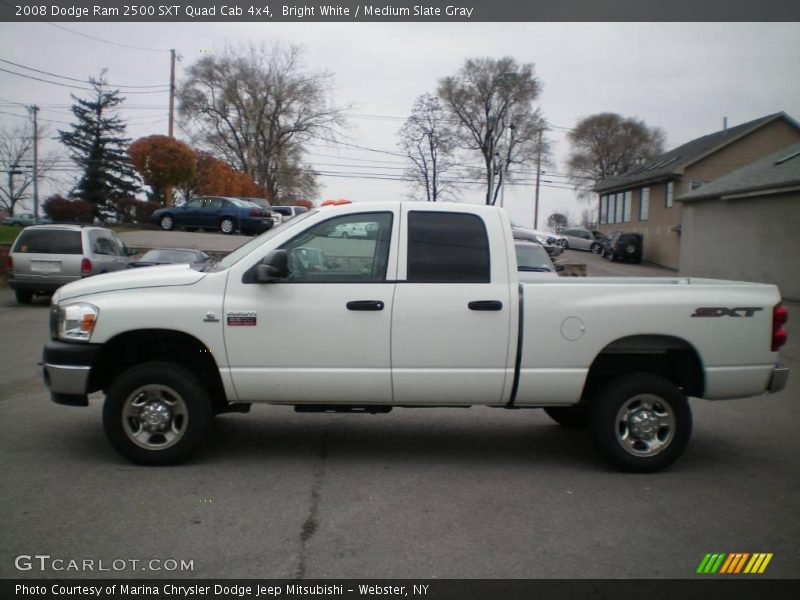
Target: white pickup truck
426, 311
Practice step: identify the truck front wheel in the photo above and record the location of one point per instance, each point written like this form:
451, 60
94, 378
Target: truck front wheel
641, 422
156, 413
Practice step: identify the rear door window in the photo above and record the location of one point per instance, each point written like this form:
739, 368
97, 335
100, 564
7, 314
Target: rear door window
447, 248
48, 241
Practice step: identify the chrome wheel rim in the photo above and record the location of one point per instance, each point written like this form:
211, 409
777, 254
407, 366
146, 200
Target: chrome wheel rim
226, 226
645, 425
155, 417
166, 223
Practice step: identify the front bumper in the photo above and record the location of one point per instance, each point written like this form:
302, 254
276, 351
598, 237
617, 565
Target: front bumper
66, 371
780, 375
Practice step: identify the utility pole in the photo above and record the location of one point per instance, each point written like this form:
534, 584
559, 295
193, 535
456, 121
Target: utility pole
168, 190
34, 110
538, 177
172, 92
506, 163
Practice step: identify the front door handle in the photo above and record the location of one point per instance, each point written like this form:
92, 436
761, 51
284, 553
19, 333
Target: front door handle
365, 305
485, 305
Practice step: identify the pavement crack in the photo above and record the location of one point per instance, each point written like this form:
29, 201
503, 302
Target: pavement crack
310, 524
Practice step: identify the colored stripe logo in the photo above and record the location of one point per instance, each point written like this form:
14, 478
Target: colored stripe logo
734, 563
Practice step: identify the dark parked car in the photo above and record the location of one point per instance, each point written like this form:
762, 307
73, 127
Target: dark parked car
277, 218
228, 215
624, 246
170, 256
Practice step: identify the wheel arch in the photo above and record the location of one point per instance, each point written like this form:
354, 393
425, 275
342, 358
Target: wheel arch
671, 357
131, 348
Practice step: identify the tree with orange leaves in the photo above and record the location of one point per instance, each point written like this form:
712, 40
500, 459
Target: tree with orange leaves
215, 177
162, 162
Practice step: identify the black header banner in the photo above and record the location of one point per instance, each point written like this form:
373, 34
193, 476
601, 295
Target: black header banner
398, 10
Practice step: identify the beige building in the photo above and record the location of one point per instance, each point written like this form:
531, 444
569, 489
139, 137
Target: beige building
746, 225
643, 200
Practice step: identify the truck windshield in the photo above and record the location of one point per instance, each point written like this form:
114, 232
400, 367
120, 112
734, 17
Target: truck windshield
235, 256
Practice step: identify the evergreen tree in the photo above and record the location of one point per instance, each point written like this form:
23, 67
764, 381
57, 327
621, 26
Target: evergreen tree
98, 146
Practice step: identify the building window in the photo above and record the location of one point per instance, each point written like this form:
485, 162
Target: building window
668, 195
603, 210
644, 204
626, 207
617, 208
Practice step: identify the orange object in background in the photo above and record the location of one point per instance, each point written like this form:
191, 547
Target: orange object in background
336, 202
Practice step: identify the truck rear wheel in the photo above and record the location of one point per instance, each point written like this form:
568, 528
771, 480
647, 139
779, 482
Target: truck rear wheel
641, 422
156, 413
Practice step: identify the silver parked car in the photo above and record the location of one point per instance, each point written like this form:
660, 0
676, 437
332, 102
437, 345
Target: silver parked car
45, 257
533, 262
583, 239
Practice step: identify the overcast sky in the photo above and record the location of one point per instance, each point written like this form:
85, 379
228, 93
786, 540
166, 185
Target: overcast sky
682, 77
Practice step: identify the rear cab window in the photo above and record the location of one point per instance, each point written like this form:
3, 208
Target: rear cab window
447, 248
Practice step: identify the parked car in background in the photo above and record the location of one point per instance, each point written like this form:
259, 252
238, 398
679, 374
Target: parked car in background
277, 218
25, 219
170, 256
227, 215
533, 262
624, 246
289, 212
45, 257
583, 239
545, 238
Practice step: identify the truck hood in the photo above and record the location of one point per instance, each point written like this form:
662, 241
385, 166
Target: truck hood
162, 276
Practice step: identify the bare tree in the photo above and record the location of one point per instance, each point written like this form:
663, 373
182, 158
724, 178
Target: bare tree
557, 221
257, 107
491, 103
16, 165
428, 143
607, 145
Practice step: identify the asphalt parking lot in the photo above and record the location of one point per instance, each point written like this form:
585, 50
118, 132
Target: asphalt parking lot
435, 493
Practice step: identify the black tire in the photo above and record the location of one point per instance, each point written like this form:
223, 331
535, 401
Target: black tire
24, 296
641, 422
177, 405
345, 235
569, 416
227, 226
596, 248
166, 222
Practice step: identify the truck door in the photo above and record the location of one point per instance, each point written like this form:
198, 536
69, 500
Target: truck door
322, 334
452, 315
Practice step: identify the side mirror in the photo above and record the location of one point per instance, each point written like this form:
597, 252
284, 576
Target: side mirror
560, 268
273, 268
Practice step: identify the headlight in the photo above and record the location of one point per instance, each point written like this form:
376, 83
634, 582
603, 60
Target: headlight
76, 322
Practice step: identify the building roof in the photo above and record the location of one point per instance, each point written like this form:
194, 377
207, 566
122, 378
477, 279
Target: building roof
774, 172
676, 160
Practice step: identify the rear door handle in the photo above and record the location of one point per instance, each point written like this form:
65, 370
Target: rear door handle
365, 305
485, 305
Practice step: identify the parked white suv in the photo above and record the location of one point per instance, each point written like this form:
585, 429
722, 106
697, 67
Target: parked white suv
289, 212
45, 257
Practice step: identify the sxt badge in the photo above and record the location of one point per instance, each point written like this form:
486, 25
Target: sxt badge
241, 318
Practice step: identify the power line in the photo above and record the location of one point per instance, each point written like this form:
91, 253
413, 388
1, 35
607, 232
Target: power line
162, 85
97, 39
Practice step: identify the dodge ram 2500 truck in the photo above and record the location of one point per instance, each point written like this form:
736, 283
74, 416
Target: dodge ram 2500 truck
426, 310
